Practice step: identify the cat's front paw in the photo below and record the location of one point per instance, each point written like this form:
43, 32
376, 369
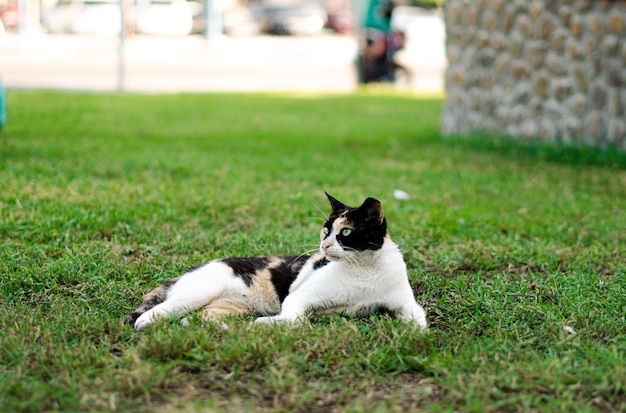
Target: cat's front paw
277, 319
422, 326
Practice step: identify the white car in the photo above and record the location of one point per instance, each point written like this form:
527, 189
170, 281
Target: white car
163, 17
94, 17
103, 17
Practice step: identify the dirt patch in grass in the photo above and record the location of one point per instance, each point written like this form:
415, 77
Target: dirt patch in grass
398, 393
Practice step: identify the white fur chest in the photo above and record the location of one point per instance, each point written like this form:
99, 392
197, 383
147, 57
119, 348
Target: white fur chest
354, 288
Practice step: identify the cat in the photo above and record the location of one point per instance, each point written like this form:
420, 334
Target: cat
357, 271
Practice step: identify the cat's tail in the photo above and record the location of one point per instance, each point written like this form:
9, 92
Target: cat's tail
153, 298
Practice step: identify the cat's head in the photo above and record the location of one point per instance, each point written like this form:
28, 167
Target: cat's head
349, 231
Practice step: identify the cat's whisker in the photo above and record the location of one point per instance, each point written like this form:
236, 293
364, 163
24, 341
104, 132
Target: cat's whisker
353, 260
350, 258
309, 252
321, 211
313, 250
317, 220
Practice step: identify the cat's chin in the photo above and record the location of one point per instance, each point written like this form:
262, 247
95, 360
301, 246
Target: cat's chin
331, 257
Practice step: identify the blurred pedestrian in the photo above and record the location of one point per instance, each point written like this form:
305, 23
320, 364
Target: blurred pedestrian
378, 44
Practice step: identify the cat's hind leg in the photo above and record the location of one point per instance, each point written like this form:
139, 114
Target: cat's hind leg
223, 307
191, 292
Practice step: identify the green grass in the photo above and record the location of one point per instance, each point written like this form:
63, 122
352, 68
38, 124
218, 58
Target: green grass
102, 197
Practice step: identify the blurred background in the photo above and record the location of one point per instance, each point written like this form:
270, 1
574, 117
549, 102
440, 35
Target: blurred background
222, 45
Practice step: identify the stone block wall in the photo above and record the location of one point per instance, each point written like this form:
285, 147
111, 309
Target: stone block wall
553, 70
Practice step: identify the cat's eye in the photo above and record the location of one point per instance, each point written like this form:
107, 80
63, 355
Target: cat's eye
325, 230
346, 231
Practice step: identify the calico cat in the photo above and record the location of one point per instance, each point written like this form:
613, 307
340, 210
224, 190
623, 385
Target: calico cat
358, 270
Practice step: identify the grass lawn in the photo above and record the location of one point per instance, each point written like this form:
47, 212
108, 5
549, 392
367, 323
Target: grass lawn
509, 247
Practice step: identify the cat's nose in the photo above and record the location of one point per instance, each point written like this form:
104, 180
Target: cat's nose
327, 245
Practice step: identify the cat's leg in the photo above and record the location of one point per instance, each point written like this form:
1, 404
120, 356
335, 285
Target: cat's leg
293, 309
191, 292
222, 308
413, 312
167, 309
153, 298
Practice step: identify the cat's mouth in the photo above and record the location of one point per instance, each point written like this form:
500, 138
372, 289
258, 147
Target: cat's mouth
330, 256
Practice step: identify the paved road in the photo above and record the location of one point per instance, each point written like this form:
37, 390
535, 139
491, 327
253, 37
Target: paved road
152, 64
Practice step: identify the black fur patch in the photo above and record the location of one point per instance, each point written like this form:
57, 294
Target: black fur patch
383, 310
320, 263
365, 235
284, 274
246, 268
132, 317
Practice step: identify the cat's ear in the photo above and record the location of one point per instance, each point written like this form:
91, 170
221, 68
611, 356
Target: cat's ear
336, 205
373, 208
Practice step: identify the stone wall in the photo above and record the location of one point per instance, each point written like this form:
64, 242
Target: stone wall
553, 70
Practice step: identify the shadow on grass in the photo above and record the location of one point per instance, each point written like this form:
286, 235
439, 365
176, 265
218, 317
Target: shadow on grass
534, 151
